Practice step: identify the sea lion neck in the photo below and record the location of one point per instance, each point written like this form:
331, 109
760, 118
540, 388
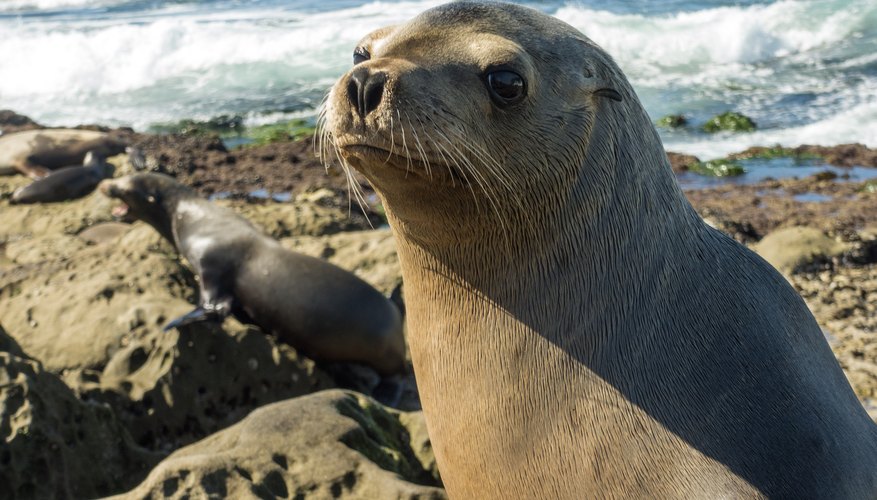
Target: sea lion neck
578, 233
158, 208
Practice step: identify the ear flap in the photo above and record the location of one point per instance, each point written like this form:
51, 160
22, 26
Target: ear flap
610, 93
596, 81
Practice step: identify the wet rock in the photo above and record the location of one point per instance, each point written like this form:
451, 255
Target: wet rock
52, 445
332, 444
743, 232
181, 155
672, 121
729, 121
842, 155
798, 248
717, 168
681, 162
286, 168
842, 209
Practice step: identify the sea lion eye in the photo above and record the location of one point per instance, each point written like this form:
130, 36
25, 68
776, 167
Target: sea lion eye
506, 87
360, 55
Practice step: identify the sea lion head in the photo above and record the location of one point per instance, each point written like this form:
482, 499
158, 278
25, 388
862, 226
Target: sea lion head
98, 162
150, 197
473, 113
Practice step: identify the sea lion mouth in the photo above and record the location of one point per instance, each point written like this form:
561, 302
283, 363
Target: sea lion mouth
120, 211
430, 169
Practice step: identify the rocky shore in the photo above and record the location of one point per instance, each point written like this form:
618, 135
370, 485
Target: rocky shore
96, 400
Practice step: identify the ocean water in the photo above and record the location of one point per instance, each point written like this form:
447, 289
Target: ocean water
804, 70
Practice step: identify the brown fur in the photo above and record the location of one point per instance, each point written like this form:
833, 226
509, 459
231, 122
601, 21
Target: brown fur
576, 329
36, 153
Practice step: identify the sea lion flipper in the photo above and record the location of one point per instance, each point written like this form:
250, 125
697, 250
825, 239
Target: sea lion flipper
193, 316
204, 312
34, 171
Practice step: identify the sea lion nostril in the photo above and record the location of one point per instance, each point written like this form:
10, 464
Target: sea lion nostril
374, 91
365, 90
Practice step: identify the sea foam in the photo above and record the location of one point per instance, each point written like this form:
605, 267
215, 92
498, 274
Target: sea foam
803, 69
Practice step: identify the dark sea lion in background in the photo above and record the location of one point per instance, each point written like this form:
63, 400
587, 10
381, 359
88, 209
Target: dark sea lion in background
577, 330
67, 183
325, 312
36, 153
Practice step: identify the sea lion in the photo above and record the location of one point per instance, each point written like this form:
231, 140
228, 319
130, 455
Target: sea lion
325, 312
103, 232
576, 329
67, 183
36, 153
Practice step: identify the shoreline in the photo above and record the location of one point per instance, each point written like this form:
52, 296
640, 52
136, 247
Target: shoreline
81, 313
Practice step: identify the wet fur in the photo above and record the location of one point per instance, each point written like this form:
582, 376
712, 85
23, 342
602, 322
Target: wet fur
327, 313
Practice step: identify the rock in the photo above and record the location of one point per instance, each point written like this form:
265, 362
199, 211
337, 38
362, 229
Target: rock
681, 162
71, 217
10, 122
672, 121
842, 300
64, 310
371, 255
52, 445
332, 444
825, 175
864, 246
97, 318
729, 121
173, 388
104, 232
796, 248
743, 232
420, 443
301, 217
842, 155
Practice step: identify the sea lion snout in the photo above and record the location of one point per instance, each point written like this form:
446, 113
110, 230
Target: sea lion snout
108, 188
365, 89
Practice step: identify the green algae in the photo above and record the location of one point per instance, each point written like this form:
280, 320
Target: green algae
223, 125
672, 121
729, 121
291, 130
775, 152
717, 168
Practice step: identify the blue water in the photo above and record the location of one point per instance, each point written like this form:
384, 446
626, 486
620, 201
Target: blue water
804, 70
758, 170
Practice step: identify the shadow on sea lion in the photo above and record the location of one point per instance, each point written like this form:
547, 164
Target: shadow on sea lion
67, 183
576, 329
323, 311
36, 153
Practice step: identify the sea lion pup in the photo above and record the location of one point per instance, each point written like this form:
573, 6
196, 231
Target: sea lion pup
325, 312
36, 153
576, 329
67, 183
